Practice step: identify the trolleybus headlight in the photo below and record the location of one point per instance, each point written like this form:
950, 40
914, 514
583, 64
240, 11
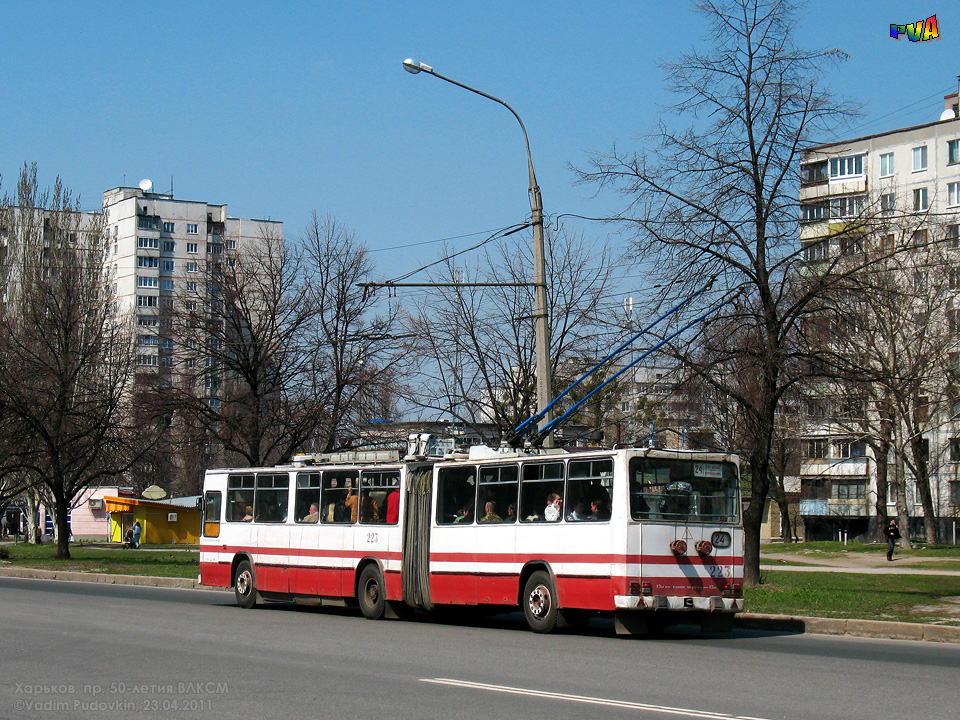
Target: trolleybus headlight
678, 547
720, 539
704, 547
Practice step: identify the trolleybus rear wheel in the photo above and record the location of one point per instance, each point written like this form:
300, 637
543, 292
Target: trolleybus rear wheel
371, 597
540, 603
245, 585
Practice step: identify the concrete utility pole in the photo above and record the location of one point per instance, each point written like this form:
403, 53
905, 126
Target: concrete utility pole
541, 319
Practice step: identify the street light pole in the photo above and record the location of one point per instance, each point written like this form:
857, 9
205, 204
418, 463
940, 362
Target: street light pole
541, 320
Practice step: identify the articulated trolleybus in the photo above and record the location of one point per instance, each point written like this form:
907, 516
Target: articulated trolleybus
651, 537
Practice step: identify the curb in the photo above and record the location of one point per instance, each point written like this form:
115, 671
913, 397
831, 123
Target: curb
750, 621
103, 578
842, 626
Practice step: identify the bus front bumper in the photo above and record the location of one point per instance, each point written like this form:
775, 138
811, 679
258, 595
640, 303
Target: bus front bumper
678, 603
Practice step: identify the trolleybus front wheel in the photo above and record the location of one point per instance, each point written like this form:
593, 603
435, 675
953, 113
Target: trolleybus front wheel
540, 603
245, 585
373, 601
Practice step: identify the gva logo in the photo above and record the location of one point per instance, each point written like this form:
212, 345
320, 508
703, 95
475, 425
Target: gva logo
918, 31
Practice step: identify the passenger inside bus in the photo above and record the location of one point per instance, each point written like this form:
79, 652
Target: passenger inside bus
464, 515
578, 513
314, 514
599, 510
554, 509
511, 513
369, 512
393, 507
351, 502
490, 513
248, 517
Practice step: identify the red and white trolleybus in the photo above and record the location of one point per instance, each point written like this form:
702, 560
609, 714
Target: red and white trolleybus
652, 537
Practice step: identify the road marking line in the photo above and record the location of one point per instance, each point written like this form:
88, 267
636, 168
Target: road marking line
588, 700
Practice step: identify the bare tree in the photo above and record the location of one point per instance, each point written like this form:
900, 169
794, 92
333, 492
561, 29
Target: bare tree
717, 199
356, 355
475, 337
278, 349
67, 370
894, 326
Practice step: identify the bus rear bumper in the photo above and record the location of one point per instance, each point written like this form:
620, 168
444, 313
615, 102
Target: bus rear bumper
678, 603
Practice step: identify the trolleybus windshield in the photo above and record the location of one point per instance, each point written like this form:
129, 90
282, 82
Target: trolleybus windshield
683, 490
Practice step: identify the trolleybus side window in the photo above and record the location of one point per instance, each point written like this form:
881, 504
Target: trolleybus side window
589, 484
338, 496
497, 500
379, 490
307, 507
240, 498
669, 489
270, 503
456, 495
211, 513
542, 484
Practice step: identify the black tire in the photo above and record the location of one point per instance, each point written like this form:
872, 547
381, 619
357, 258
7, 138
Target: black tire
245, 585
540, 603
370, 594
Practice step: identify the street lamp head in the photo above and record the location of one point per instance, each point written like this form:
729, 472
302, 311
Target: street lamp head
412, 66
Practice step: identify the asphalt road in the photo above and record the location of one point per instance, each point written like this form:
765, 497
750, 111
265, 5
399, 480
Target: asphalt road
79, 650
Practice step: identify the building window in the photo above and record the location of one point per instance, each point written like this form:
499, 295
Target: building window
192, 247
148, 222
191, 228
811, 212
888, 242
953, 321
953, 194
919, 238
147, 262
813, 173
850, 490
920, 158
953, 279
191, 267
815, 448
888, 203
147, 282
815, 250
231, 244
850, 448
150, 360
149, 340
191, 286
845, 167
167, 303
191, 305
148, 243
147, 320
953, 235
169, 246
886, 165
167, 284
168, 265
920, 199
953, 152
846, 207
168, 227
214, 248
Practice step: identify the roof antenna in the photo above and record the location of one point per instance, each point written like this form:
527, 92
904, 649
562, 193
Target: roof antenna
171, 186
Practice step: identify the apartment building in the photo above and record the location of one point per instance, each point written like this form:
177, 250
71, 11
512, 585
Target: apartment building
907, 181
158, 250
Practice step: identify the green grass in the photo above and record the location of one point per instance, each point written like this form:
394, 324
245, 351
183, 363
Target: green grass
183, 563
903, 598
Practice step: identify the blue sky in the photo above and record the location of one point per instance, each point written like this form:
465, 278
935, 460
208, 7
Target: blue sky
279, 109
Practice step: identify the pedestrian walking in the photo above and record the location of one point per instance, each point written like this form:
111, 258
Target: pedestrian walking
893, 534
137, 529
